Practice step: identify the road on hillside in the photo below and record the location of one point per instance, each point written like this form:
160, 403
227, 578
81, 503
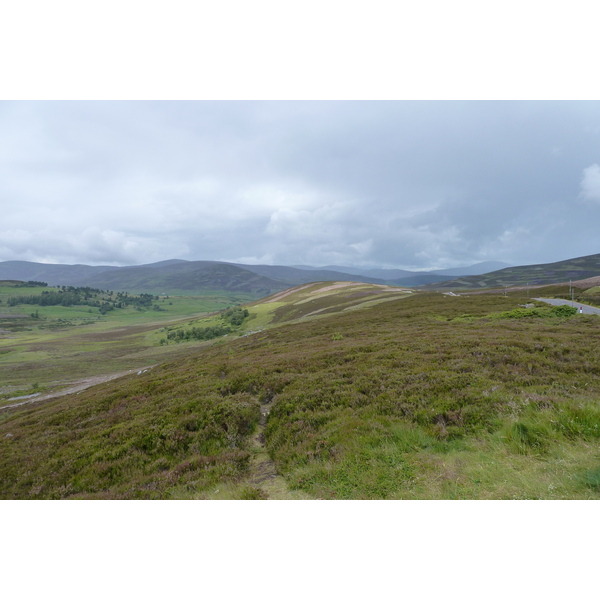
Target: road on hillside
587, 310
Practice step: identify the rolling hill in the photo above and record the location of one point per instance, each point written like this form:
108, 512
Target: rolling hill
297, 276
53, 274
550, 273
199, 276
158, 277
389, 275
185, 277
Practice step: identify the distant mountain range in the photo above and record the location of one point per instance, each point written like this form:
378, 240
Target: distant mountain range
196, 276
573, 269
392, 274
262, 280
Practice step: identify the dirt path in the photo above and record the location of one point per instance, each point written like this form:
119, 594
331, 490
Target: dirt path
74, 387
263, 474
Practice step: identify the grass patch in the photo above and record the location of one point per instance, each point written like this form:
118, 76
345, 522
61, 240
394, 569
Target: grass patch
591, 478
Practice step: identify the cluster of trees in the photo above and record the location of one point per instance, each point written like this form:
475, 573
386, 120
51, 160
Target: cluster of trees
76, 296
67, 296
232, 317
141, 302
32, 284
198, 333
235, 316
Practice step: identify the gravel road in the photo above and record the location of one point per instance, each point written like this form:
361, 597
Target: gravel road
76, 386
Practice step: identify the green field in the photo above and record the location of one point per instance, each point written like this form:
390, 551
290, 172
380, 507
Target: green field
47, 345
334, 393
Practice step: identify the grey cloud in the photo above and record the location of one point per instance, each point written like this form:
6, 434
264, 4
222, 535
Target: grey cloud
397, 184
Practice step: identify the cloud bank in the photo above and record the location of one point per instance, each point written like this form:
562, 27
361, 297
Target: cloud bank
395, 184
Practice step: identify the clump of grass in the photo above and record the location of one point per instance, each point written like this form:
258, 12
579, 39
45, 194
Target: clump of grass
526, 437
252, 493
579, 420
591, 478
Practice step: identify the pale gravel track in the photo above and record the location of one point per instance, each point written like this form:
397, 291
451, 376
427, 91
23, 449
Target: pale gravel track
77, 386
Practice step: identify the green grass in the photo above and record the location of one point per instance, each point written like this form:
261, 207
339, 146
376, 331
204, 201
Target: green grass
423, 396
67, 343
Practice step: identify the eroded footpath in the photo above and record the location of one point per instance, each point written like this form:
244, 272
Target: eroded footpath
263, 474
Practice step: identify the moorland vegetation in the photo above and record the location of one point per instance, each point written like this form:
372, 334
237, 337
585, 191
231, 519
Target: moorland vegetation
348, 392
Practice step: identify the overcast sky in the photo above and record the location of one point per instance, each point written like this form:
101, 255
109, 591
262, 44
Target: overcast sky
406, 184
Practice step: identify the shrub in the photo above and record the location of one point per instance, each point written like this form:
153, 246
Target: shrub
564, 311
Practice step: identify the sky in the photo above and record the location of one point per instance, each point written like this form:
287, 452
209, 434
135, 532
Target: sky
398, 184
420, 136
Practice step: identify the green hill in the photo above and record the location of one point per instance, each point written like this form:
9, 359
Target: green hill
186, 277
558, 272
175, 276
52, 274
340, 392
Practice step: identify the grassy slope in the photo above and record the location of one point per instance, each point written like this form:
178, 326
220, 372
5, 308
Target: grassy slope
425, 396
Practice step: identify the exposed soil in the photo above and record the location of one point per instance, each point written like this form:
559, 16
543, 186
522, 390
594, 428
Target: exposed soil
263, 474
74, 387
263, 468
